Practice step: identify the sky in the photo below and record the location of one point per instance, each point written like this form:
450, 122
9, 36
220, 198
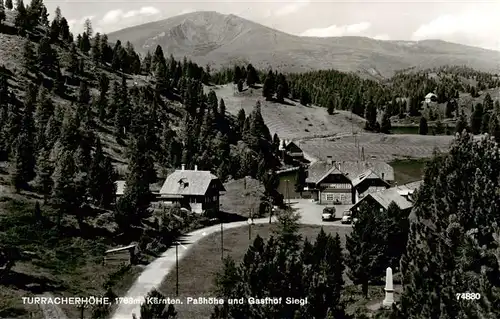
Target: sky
474, 23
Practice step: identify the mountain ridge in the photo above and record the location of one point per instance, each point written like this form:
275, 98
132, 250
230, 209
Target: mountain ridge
209, 37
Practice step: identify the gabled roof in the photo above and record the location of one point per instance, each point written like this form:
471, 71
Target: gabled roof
120, 187
351, 169
368, 174
189, 182
386, 197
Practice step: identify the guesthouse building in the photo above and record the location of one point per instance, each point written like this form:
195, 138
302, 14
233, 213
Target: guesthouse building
195, 190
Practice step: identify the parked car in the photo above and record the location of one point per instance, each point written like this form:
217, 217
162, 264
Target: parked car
347, 217
328, 214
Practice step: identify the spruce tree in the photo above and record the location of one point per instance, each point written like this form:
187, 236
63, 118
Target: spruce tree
462, 124
101, 181
269, 86
485, 122
29, 57
85, 43
44, 169
21, 18
476, 118
46, 56
423, 128
366, 248
102, 101
385, 127
2, 12
453, 241
64, 197
252, 76
22, 162
133, 206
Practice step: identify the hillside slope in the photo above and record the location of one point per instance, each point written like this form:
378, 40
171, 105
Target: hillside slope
218, 39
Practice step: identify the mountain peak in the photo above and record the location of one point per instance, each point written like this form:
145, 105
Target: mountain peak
211, 37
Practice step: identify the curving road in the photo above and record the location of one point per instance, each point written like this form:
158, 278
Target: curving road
153, 274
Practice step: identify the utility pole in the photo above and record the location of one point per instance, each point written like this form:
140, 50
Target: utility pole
269, 203
221, 240
177, 268
250, 221
287, 193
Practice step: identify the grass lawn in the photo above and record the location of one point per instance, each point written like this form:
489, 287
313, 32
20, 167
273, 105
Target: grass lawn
408, 170
241, 196
198, 269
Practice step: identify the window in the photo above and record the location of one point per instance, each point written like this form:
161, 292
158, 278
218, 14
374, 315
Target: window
342, 198
329, 197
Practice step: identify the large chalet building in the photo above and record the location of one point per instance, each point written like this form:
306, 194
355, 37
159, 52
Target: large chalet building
195, 190
346, 182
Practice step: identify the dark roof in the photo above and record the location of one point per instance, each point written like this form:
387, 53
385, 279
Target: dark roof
368, 174
386, 197
351, 169
188, 182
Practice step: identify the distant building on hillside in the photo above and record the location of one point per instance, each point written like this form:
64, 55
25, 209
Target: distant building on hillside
195, 190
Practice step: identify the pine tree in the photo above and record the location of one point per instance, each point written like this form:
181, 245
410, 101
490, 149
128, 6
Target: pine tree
65, 197
453, 241
64, 31
85, 43
2, 12
476, 118
423, 128
252, 76
269, 86
87, 28
21, 18
462, 124
101, 181
488, 102
365, 246
494, 127
43, 181
385, 127
237, 75
23, 163
485, 122
83, 93
102, 102
29, 57
46, 56
96, 49
222, 108
133, 206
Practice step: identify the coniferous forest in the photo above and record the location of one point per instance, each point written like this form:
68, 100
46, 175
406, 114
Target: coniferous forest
78, 113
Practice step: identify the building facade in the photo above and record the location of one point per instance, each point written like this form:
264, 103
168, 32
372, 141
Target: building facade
195, 190
345, 183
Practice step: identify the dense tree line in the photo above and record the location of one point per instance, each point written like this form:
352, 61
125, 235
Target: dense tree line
453, 239
56, 149
284, 266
